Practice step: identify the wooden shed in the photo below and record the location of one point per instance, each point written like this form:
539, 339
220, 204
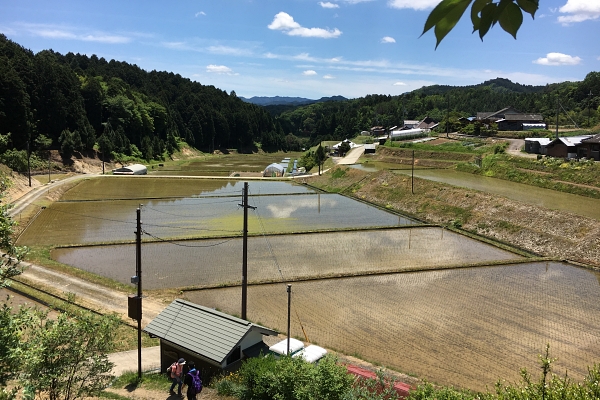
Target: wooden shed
215, 341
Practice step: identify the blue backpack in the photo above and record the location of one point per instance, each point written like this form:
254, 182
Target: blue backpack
196, 385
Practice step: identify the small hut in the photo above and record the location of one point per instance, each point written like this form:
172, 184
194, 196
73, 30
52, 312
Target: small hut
215, 341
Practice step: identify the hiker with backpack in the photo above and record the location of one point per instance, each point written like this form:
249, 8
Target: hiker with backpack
176, 373
193, 382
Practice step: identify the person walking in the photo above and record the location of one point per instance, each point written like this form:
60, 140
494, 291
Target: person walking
176, 371
193, 382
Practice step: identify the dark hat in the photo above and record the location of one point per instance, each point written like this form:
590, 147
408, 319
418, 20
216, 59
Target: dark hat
181, 361
191, 364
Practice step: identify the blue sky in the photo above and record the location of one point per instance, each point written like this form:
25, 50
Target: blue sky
310, 48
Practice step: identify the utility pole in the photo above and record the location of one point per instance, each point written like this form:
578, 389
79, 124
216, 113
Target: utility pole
28, 164
138, 273
557, 108
589, 103
289, 292
412, 174
448, 116
245, 251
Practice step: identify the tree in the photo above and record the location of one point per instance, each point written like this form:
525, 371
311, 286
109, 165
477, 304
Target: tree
67, 357
484, 14
344, 148
67, 144
9, 266
320, 157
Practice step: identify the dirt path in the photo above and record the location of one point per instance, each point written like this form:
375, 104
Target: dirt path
90, 295
352, 156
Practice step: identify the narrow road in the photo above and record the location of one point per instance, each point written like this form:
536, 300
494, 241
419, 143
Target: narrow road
352, 156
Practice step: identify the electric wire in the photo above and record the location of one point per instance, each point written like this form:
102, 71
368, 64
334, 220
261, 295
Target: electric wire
277, 265
186, 245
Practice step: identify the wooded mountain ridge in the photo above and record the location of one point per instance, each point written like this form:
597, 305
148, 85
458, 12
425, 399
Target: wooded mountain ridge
76, 102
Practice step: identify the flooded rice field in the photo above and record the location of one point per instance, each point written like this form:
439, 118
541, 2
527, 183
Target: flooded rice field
552, 199
466, 326
282, 257
95, 212
463, 327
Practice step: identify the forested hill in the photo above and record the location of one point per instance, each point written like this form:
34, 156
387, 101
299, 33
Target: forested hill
338, 120
73, 102
77, 101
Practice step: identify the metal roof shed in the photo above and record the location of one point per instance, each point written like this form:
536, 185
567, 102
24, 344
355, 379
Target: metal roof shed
215, 341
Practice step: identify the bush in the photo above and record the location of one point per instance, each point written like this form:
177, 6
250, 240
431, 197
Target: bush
287, 379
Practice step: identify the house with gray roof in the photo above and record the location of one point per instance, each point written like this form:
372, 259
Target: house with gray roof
565, 147
215, 341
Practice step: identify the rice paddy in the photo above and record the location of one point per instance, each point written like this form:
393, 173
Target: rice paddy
463, 327
420, 299
284, 257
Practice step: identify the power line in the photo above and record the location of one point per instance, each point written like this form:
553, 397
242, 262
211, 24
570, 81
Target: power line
186, 245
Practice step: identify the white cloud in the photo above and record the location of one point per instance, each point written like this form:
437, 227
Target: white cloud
219, 69
579, 10
230, 51
399, 84
328, 76
285, 22
67, 33
199, 13
557, 59
388, 39
328, 4
309, 72
414, 4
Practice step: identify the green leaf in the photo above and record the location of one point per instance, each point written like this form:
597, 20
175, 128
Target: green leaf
487, 19
475, 10
455, 10
529, 6
442, 11
511, 19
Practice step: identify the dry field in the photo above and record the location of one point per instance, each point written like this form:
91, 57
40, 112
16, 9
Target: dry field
464, 327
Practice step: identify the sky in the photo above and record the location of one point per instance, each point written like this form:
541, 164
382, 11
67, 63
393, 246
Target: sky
311, 49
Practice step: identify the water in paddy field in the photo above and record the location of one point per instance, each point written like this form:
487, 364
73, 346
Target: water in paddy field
461, 327
99, 213
551, 199
281, 257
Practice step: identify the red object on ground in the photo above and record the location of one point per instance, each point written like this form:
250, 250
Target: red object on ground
401, 388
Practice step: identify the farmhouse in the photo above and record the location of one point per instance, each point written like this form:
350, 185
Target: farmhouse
590, 148
565, 147
521, 122
134, 169
215, 341
510, 119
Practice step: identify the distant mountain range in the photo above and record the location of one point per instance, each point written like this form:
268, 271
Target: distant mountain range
293, 101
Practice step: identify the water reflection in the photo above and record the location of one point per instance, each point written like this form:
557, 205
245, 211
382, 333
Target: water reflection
214, 261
